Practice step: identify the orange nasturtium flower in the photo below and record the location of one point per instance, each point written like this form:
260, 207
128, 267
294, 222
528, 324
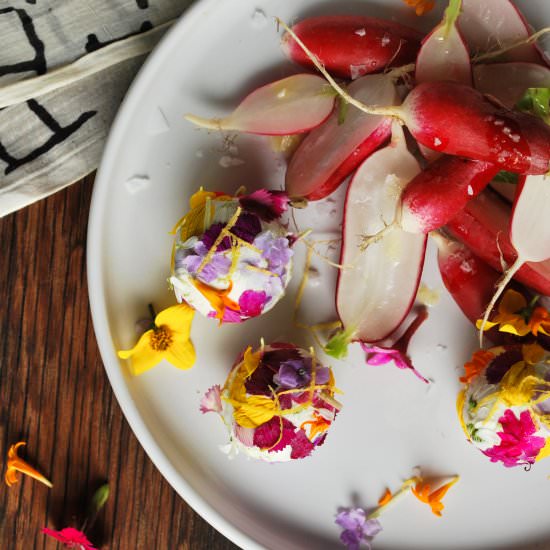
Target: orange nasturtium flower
16, 464
423, 492
421, 6
480, 359
517, 317
168, 339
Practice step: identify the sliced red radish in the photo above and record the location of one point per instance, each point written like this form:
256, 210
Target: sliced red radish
441, 190
351, 46
529, 231
331, 152
508, 82
483, 225
289, 106
458, 120
377, 286
492, 24
443, 54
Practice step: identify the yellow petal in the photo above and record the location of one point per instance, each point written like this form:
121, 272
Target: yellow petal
181, 354
512, 302
519, 328
488, 325
251, 360
198, 199
178, 318
142, 345
146, 359
257, 410
545, 451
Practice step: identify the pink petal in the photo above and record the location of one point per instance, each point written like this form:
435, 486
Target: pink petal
211, 400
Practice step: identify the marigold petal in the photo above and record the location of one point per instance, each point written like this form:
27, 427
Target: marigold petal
181, 354
516, 327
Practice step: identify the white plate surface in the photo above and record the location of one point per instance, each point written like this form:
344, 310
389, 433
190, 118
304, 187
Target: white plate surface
390, 423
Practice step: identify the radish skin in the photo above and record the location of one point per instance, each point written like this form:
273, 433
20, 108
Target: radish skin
293, 105
443, 54
352, 46
508, 82
441, 190
483, 225
318, 167
376, 293
458, 120
491, 24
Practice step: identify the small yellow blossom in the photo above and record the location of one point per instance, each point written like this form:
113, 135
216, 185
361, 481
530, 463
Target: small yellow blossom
514, 316
16, 464
168, 339
423, 492
421, 6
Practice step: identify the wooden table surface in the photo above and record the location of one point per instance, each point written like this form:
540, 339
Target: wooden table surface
54, 394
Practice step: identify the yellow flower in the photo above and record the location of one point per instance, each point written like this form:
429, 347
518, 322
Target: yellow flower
16, 464
515, 316
169, 339
423, 492
421, 6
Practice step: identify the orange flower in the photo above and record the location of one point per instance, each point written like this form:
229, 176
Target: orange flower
16, 464
479, 361
385, 498
421, 6
318, 426
540, 321
423, 492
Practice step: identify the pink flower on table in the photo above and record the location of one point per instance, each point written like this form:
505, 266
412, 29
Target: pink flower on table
70, 538
518, 445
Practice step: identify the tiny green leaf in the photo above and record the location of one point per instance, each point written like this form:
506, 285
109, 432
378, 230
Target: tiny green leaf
100, 498
507, 177
451, 15
343, 107
337, 346
537, 102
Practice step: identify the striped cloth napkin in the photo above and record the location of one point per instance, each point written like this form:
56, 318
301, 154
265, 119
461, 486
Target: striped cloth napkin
64, 68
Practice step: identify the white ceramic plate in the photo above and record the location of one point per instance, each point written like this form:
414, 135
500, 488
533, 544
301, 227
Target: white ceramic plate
390, 423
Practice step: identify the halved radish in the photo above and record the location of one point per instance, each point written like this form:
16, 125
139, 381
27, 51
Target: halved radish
509, 81
289, 106
351, 46
377, 291
443, 54
331, 152
491, 24
529, 231
441, 190
483, 225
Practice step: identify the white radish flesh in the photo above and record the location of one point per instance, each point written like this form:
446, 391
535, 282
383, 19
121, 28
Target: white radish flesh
508, 82
492, 24
331, 152
377, 286
443, 54
289, 106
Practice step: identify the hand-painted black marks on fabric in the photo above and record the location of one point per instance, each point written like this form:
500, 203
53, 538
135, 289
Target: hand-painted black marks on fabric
59, 134
142, 4
38, 64
94, 44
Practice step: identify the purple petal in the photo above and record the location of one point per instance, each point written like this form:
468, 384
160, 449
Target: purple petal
351, 518
351, 539
372, 527
288, 376
218, 266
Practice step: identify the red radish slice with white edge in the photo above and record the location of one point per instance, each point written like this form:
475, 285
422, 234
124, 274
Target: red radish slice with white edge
292, 105
443, 54
330, 153
489, 25
483, 225
529, 231
377, 286
508, 82
458, 120
351, 46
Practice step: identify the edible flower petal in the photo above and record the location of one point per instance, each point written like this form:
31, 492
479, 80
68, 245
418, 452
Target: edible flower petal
517, 317
356, 527
16, 464
70, 538
266, 204
480, 359
211, 400
423, 492
169, 339
421, 6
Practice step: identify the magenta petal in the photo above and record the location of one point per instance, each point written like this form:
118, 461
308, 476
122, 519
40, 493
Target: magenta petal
251, 302
268, 205
70, 537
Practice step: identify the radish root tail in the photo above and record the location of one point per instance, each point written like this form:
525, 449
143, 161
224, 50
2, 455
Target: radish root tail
384, 111
210, 123
367, 240
501, 285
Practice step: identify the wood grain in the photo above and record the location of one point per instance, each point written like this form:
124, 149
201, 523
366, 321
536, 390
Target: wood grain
55, 395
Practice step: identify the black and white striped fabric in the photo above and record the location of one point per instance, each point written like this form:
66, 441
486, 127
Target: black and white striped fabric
64, 68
